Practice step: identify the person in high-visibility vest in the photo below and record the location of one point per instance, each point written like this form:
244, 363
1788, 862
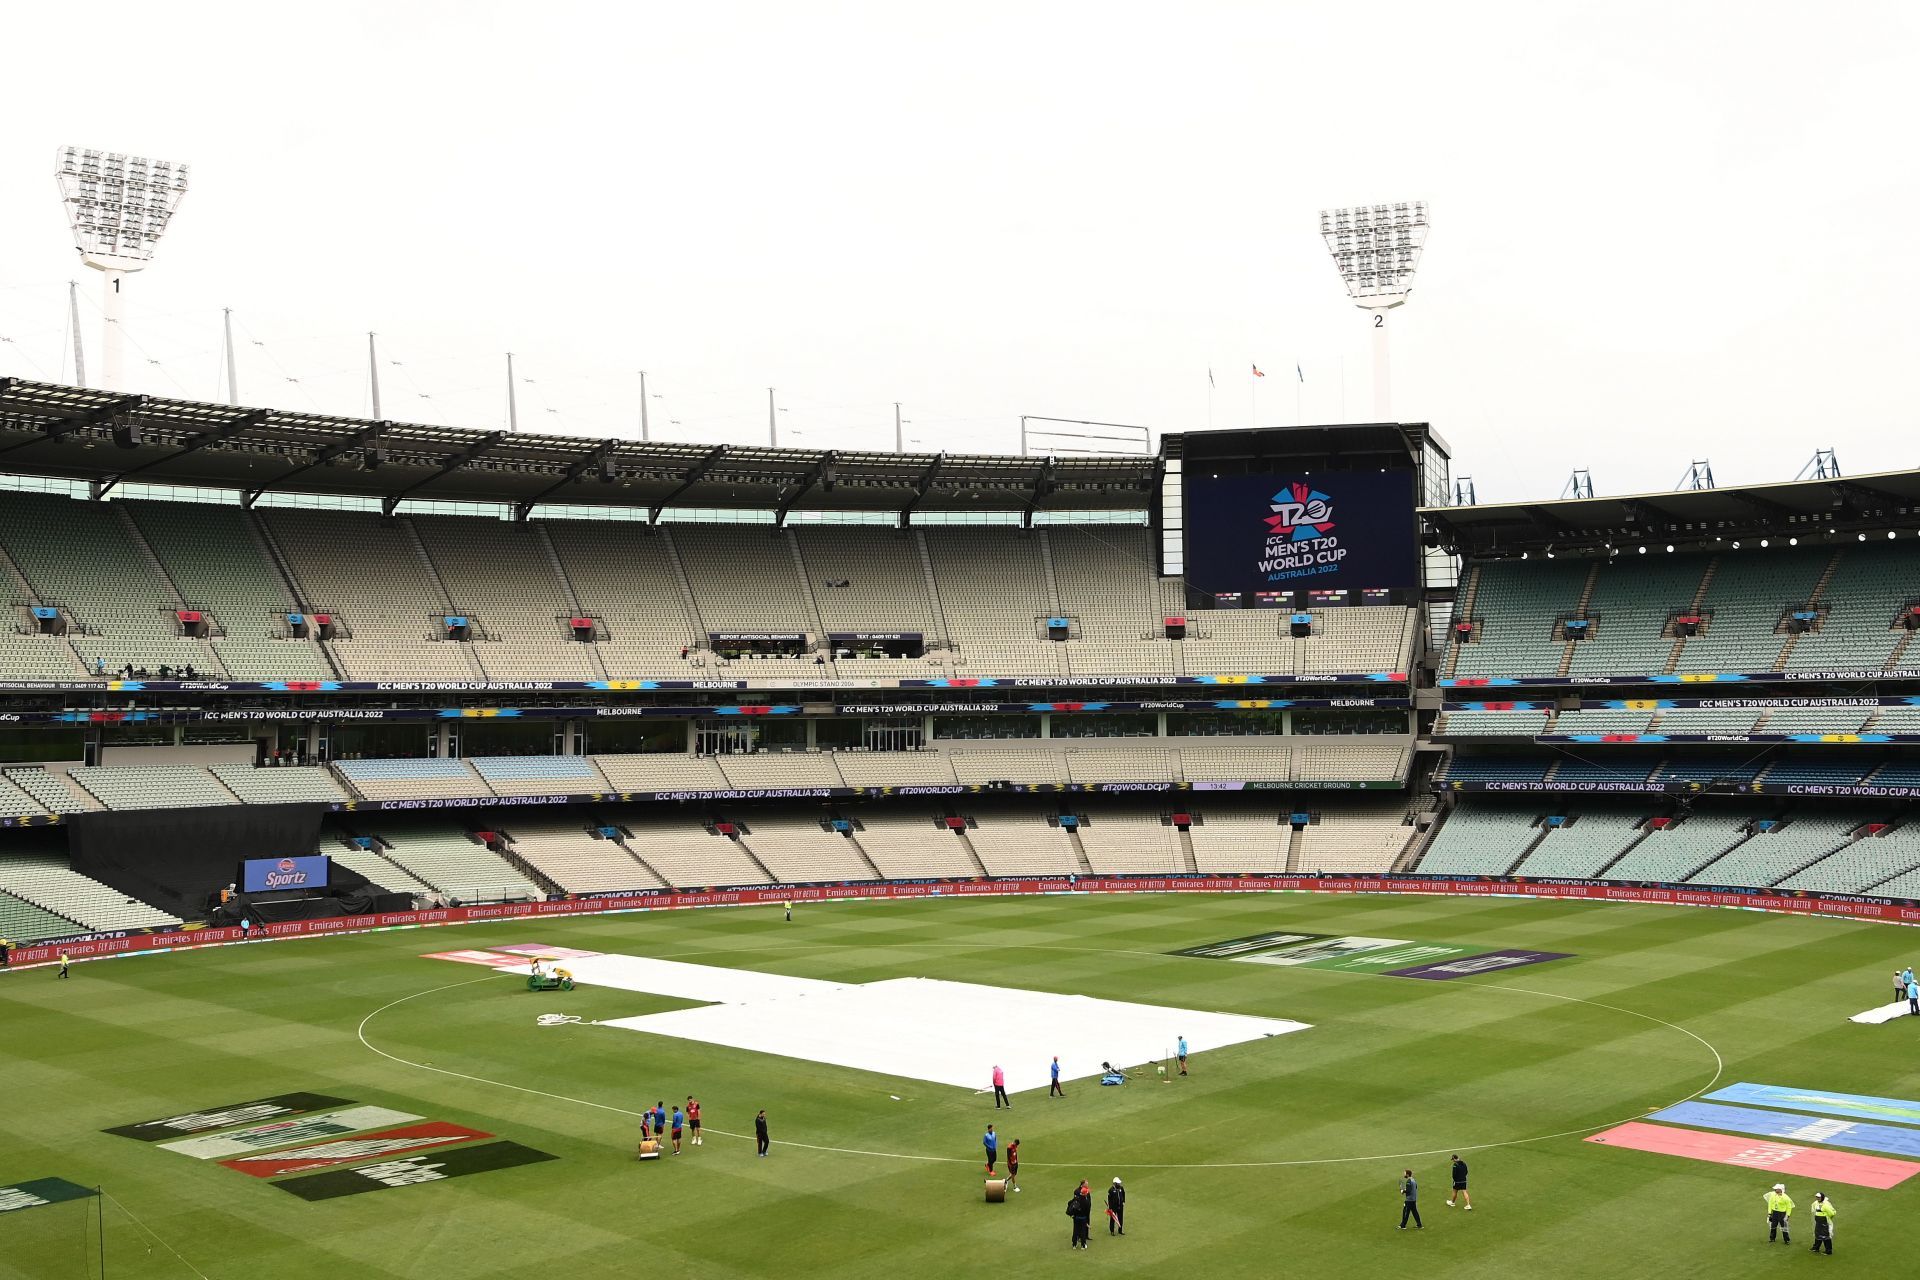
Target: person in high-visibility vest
1779, 1211
1823, 1212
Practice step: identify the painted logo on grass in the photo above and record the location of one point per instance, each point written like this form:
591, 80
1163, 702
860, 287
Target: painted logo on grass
1824, 1102
225, 1116
1232, 947
39, 1192
413, 1171
287, 1132
1487, 962
387, 1142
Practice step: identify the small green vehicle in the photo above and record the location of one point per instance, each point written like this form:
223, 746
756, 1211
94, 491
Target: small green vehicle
540, 980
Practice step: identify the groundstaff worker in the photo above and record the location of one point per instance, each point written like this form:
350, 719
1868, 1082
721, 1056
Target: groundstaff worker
1779, 1211
1116, 1209
760, 1131
1823, 1212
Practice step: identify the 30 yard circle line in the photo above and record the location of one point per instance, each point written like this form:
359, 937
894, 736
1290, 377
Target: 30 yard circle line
1719, 1069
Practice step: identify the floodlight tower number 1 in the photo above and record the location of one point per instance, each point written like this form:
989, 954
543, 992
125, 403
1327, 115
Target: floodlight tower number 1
1376, 249
118, 207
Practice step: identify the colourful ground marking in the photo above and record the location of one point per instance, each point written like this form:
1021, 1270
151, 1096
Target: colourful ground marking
1821, 1102
387, 1143
1748, 1153
541, 949
1885, 1138
493, 959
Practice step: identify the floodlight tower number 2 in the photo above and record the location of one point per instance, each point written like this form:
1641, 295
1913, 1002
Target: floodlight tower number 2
1376, 249
118, 207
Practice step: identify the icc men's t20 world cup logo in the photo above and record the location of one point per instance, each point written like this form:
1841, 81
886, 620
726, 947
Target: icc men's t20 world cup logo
1300, 541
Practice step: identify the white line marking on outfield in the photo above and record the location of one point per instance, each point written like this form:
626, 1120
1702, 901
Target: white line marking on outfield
1719, 1068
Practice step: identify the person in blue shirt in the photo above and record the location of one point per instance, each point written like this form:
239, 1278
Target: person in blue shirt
1054, 1090
678, 1120
1913, 997
991, 1141
1183, 1055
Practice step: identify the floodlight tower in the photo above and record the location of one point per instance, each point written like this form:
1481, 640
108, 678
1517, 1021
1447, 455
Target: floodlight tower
118, 207
1376, 249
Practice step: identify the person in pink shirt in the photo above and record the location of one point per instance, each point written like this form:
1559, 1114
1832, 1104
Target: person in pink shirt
1000, 1089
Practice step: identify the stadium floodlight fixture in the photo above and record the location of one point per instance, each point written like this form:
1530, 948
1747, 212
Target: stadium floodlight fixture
1376, 249
118, 207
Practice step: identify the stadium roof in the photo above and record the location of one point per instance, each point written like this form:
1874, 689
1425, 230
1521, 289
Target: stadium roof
1887, 500
105, 438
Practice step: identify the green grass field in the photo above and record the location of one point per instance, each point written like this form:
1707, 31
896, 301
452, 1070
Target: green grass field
1277, 1154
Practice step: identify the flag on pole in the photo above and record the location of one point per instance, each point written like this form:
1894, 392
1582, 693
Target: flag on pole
1296, 369
1257, 373
1210, 381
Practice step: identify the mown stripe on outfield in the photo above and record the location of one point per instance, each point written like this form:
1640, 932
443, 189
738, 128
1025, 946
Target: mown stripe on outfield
1883, 1138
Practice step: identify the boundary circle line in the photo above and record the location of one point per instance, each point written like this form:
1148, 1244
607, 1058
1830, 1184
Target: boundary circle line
1719, 1069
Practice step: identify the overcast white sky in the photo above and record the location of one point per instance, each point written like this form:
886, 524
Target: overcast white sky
1661, 231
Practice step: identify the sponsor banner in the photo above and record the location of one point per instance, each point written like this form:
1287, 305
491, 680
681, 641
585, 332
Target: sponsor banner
39, 1192
1328, 949
259, 875
1804, 739
285, 1132
225, 1116
413, 1170
1839, 906
1667, 704
1749, 1153
1683, 677
31, 820
1233, 947
353, 686
1856, 790
1884, 1138
1859, 1105
1069, 682
387, 1142
1487, 962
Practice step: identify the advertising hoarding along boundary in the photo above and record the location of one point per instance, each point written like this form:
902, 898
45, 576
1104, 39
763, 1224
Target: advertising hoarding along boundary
648, 686
1839, 907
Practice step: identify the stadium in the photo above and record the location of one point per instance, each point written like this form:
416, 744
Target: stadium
386, 803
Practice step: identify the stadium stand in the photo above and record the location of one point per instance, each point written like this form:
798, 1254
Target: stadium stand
1015, 843
1772, 853
996, 595
1602, 720
1353, 838
372, 574
88, 559
771, 770
662, 772
574, 858
913, 846
1579, 849
1485, 724
1126, 841
22, 921
1482, 840
51, 791
1865, 593
798, 849
1746, 595
378, 869
1516, 609
452, 863
1670, 854
1867, 861
1630, 604
160, 786
1109, 587
279, 786
1247, 842
501, 576
624, 574
216, 559
690, 856
411, 779
46, 881
539, 775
